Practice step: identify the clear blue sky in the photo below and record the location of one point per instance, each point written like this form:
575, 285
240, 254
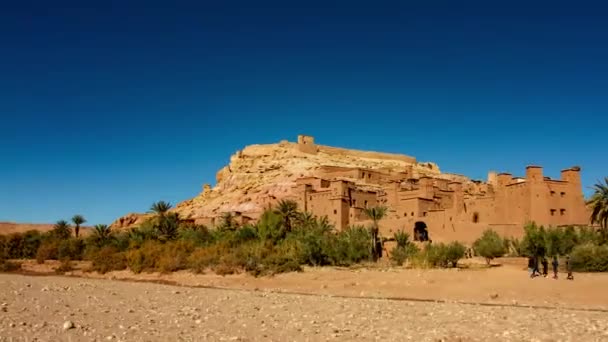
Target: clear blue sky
111, 106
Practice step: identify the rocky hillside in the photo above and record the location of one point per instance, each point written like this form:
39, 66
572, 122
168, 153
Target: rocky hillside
260, 175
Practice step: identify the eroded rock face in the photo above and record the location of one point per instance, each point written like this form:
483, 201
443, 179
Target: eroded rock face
260, 175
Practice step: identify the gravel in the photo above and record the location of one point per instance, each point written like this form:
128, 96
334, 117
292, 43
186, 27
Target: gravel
129, 311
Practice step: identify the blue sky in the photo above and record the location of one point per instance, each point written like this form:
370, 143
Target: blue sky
107, 107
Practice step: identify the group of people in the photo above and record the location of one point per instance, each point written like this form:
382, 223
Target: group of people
533, 267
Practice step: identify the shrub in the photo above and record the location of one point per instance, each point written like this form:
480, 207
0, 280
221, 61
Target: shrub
441, 255
48, 250
350, 246
198, 235
174, 256
31, 242
9, 266
402, 238
399, 255
533, 243
455, 252
590, 258
270, 226
65, 266
13, 246
106, 259
204, 258
71, 249
489, 246
145, 258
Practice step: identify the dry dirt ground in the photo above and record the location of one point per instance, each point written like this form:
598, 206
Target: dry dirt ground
499, 303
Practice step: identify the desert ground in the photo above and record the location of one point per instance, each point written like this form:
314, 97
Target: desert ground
319, 304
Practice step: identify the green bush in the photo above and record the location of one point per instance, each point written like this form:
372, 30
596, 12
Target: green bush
590, 258
198, 235
490, 245
204, 258
71, 249
350, 246
399, 255
106, 259
441, 255
48, 250
402, 238
174, 256
145, 258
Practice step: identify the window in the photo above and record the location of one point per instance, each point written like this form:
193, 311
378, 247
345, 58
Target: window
335, 212
475, 217
404, 214
310, 198
562, 212
552, 212
365, 203
354, 202
412, 213
424, 213
562, 194
552, 193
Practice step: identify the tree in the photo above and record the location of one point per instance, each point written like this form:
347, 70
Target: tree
534, 241
375, 214
167, 226
227, 222
288, 210
78, 220
102, 234
598, 203
490, 245
160, 208
61, 230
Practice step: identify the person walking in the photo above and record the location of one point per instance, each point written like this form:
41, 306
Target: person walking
555, 265
531, 266
569, 268
545, 267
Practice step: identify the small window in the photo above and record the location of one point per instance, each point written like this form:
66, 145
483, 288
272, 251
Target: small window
562, 212
365, 203
552, 212
354, 202
424, 213
562, 194
310, 198
404, 214
412, 213
475, 217
335, 212
552, 193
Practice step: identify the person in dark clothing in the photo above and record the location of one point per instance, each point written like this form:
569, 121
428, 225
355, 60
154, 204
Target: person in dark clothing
531, 266
545, 267
535, 270
569, 268
555, 265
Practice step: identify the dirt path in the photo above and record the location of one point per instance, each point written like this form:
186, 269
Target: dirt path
36, 308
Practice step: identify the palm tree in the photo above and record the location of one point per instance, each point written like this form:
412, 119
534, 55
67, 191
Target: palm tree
375, 214
167, 226
599, 206
61, 230
78, 220
160, 208
288, 210
102, 233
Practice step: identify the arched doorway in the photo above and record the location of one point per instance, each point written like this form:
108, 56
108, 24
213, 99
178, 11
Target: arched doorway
421, 232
